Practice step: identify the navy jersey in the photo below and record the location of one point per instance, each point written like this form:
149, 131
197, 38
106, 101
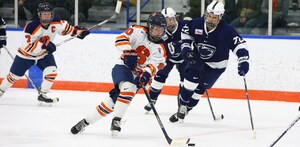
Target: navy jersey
2, 27
2, 22
173, 39
2, 32
176, 34
213, 47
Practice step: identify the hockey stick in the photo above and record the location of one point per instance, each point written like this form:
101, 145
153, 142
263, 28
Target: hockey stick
290, 126
218, 117
116, 13
31, 82
249, 107
177, 142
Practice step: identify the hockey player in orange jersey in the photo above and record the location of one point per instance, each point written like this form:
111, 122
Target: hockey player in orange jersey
37, 49
143, 52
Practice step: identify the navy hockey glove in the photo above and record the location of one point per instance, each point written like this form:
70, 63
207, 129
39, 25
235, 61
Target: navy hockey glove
84, 32
2, 43
144, 78
187, 54
243, 65
2, 37
130, 59
49, 46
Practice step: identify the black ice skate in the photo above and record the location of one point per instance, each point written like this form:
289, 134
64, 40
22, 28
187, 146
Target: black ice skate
180, 115
43, 99
148, 107
79, 127
174, 118
115, 126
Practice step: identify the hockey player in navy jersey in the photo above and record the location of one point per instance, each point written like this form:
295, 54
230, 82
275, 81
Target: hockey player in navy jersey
2, 34
142, 52
207, 42
173, 39
37, 49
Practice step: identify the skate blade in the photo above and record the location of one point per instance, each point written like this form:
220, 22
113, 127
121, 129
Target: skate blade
147, 112
114, 133
180, 120
43, 104
48, 104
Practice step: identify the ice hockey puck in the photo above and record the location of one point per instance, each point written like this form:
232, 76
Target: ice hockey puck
191, 144
219, 117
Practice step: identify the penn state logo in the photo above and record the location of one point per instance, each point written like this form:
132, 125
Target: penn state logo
206, 51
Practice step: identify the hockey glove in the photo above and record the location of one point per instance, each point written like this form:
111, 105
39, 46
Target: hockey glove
49, 46
243, 65
2, 37
81, 32
130, 59
188, 55
144, 78
2, 43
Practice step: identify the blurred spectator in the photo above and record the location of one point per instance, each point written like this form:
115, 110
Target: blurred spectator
230, 10
295, 5
31, 6
65, 9
83, 8
279, 12
195, 9
248, 15
60, 9
23, 14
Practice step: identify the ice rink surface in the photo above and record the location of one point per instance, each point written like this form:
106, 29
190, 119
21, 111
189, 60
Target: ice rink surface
24, 123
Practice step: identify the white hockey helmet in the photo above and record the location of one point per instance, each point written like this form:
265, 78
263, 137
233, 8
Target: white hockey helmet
216, 8
168, 12
170, 15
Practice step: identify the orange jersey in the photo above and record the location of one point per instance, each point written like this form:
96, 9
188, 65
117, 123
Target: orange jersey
35, 35
151, 56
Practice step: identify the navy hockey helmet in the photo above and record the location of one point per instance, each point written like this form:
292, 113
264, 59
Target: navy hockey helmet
215, 8
156, 24
45, 7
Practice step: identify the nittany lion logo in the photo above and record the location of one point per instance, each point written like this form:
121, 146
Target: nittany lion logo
206, 51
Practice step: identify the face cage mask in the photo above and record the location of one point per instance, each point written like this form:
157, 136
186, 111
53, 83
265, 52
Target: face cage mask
174, 26
210, 24
46, 21
152, 38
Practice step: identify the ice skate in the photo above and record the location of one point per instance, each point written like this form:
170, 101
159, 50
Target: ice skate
174, 118
79, 127
182, 111
44, 100
180, 115
148, 107
115, 126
